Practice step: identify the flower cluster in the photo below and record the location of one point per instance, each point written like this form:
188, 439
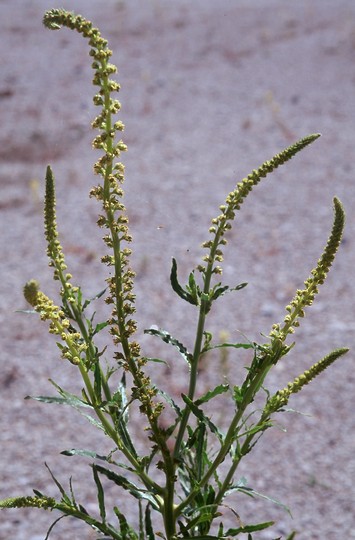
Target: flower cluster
29, 502
222, 223
74, 348
280, 399
304, 297
113, 217
54, 249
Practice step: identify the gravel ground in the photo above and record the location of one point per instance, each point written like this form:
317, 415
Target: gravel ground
209, 91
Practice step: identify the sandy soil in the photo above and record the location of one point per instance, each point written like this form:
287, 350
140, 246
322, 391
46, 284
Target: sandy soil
209, 91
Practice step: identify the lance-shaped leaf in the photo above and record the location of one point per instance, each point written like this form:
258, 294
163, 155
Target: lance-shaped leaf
167, 338
98, 382
243, 488
249, 528
86, 453
124, 483
65, 497
100, 493
121, 419
171, 402
219, 290
184, 294
126, 530
148, 524
202, 417
231, 345
220, 389
96, 297
67, 398
94, 455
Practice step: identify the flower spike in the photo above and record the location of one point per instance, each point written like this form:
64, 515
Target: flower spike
280, 399
73, 347
305, 297
222, 223
113, 217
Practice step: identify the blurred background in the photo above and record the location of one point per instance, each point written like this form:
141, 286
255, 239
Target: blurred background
210, 90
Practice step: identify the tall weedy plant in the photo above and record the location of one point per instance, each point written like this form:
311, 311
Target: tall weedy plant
180, 477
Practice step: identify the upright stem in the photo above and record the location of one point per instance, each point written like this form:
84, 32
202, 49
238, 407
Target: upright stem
198, 343
193, 380
229, 438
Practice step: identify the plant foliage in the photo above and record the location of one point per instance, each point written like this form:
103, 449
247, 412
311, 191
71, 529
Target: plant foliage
190, 489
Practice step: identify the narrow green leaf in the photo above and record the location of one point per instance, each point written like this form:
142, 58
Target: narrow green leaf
167, 338
93, 455
241, 486
126, 438
53, 525
171, 402
97, 382
99, 327
66, 399
141, 521
255, 429
66, 498
121, 418
249, 528
202, 417
220, 530
148, 524
53, 399
86, 453
233, 345
221, 291
72, 493
193, 288
220, 389
200, 450
100, 494
192, 283
126, 530
72, 400
93, 421
291, 536
177, 287
96, 297
156, 360
38, 493
124, 483
83, 509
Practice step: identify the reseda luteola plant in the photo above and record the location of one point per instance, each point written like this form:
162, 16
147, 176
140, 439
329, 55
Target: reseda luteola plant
190, 487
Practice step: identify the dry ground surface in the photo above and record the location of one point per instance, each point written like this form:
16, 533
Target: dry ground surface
209, 91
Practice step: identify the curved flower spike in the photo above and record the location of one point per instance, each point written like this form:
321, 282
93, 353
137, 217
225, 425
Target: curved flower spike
109, 194
305, 297
73, 347
280, 399
222, 223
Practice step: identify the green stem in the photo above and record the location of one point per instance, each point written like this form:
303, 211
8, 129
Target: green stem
102, 527
119, 294
168, 512
229, 438
198, 343
111, 432
230, 475
193, 380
